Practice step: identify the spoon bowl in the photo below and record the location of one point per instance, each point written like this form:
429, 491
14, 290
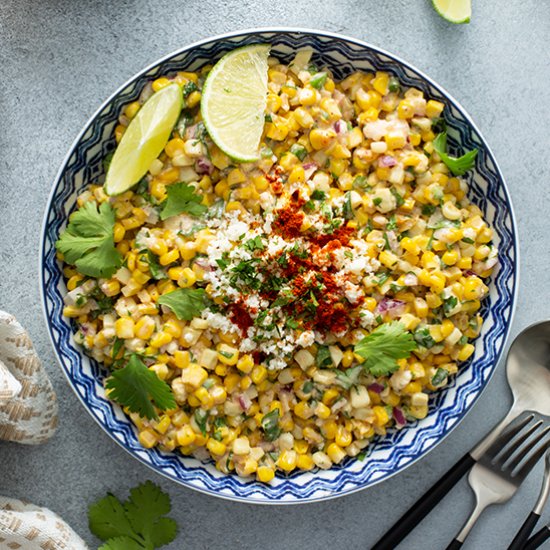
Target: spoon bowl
528, 369
528, 373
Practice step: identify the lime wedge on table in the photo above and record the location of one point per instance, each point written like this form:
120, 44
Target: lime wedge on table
234, 99
454, 11
144, 139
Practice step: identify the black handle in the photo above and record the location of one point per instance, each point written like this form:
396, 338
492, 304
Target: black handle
455, 545
524, 532
424, 505
538, 539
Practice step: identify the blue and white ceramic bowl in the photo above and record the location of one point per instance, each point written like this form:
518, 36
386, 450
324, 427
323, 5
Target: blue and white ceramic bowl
389, 455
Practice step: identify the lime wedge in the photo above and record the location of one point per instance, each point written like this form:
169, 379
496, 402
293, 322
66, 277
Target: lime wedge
234, 99
454, 11
144, 139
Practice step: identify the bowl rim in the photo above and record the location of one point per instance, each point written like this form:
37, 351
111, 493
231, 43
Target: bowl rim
515, 274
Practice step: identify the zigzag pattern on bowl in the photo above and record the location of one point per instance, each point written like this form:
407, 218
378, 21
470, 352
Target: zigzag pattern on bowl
388, 455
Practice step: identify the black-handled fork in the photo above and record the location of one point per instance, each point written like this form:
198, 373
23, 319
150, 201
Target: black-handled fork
532, 519
504, 466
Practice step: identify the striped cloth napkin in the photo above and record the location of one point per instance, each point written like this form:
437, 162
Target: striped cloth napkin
28, 415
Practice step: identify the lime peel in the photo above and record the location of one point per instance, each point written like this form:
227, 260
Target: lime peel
234, 100
454, 11
144, 139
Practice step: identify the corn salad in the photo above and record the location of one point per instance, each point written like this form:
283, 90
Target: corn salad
349, 220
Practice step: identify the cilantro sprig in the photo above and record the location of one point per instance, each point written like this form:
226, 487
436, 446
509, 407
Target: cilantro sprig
181, 197
140, 389
186, 303
137, 524
457, 165
88, 241
384, 346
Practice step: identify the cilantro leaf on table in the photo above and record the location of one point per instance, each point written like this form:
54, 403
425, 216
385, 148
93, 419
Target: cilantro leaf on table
182, 198
137, 524
384, 346
107, 518
457, 165
186, 303
145, 508
122, 543
88, 241
140, 389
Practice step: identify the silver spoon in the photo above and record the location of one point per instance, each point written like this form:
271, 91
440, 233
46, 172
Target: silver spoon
528, 373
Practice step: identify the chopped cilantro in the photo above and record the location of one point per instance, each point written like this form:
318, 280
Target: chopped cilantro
392, 223
360, 182
318, 80
189, 88
182, 198
201, 418
318, 195
423, 338
384, 346
254, 244
398, 198
393, 85
377, 201
457, 165
428, 209
449, 304
155, 268
186, 303
347, 210
349, 377
439, 377
88, 241
140, 389
299, 151
323, 358
270, 425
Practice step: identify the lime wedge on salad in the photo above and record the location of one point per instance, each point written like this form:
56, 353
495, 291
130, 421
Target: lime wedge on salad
454, 11
234, 100
144, 139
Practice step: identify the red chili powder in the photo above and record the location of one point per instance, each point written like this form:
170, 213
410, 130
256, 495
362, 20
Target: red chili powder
342, 234
290, 218
240, 316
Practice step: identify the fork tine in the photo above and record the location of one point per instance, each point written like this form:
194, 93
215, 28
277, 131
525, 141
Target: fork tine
521, 470
514, 444
507, 435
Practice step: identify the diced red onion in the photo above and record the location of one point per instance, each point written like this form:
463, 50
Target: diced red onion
387, 161
204, 166
410, 279
309, 169
338, 95
392, 240
203, 264
244, 401
340, 127
470, 273
376, 387
399, 417
391, 306
146, 93
491, 262
191, 131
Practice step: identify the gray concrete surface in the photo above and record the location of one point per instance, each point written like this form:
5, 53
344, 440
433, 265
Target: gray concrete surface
61, 58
